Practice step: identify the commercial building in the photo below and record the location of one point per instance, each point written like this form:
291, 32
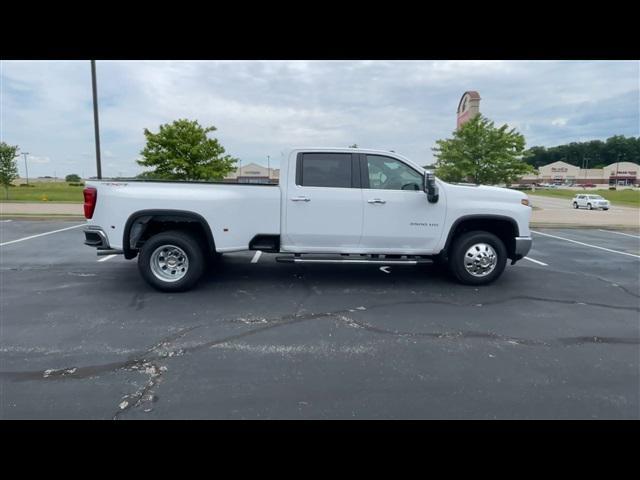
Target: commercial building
254, 173
619, 173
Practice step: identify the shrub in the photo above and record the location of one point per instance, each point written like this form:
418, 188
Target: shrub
73, 177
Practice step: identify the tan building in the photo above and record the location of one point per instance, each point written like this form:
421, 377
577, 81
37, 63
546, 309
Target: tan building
254, 173
619, 173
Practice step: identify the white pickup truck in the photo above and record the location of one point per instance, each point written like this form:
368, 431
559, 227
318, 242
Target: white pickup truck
331, 206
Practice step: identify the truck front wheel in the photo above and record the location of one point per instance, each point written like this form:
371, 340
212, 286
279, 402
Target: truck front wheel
477, 258
171, 261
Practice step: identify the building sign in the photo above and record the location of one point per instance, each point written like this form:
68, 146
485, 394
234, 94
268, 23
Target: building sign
559, 169
468, 107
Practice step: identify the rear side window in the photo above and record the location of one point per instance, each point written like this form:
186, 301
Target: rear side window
325, 170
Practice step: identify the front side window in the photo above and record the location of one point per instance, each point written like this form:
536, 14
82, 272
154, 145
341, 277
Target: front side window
326, 170
387, 173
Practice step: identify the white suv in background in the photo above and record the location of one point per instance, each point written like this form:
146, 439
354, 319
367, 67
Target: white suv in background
590, 202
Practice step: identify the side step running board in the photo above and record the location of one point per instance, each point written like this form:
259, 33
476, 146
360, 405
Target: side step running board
108, 251
375, 261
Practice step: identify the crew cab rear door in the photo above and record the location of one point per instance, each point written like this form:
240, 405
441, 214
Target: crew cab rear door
323, 203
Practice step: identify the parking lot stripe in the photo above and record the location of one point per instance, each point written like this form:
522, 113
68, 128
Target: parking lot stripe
586, 244
536, 261
619, 233
104, 259
256, 257
40, 235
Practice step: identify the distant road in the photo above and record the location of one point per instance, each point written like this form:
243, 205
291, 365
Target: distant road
548, 210
48, 208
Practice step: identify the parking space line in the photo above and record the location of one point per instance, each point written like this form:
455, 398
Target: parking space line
536, 261
586, 244
40, 235
104, 259
256, 257
619, 233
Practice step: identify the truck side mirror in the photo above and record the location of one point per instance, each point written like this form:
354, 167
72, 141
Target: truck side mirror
430, 187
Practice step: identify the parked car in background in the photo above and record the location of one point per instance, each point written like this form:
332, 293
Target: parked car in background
590, 202
588, 185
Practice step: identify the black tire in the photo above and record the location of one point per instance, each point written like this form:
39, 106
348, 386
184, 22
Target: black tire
457, 256
193, 251
605, 209
589, 206
575, 205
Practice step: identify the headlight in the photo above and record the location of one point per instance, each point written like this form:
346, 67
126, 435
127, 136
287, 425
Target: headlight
525, 201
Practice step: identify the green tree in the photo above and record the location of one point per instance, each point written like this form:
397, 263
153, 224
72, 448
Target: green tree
182, 151
8, 166
482, 153
595, 153
355, 145
72, 178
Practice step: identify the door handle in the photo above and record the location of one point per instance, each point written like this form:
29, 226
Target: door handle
376, 200
300, 199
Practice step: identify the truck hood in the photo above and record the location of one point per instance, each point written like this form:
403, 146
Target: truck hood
485, 192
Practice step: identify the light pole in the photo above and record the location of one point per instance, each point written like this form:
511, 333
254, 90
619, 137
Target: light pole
95, 117
268, 169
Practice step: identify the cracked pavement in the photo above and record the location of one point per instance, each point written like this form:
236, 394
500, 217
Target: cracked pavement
87, 339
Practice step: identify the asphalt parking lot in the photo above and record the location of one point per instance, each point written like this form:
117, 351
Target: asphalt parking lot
557, 336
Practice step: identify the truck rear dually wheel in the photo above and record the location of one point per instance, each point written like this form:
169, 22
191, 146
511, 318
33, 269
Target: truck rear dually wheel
171, 261
477, 258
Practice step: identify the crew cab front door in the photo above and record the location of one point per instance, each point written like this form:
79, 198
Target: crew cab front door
323, 207
397, 216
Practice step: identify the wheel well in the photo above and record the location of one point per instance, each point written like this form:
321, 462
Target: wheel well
504, 228
143, 225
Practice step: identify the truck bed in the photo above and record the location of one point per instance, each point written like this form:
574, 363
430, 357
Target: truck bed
220, 204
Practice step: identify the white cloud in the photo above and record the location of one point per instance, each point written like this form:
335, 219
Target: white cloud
264, 107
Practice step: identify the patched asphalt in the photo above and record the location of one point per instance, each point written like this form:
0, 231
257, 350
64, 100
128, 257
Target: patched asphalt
86, 339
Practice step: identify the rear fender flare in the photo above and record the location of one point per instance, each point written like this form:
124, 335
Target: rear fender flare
138, 222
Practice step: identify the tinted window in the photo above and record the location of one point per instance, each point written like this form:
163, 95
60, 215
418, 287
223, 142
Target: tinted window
326, 170
387, 173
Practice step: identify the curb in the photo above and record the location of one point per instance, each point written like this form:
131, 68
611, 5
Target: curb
578, 225
39, 216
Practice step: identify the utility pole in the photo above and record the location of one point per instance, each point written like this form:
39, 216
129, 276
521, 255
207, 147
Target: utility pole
95, 117
268, 169
26, 170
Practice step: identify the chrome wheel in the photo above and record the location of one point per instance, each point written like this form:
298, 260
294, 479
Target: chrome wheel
480, 260
169, 263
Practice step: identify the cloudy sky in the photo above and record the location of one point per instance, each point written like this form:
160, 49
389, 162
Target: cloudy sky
263, 108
